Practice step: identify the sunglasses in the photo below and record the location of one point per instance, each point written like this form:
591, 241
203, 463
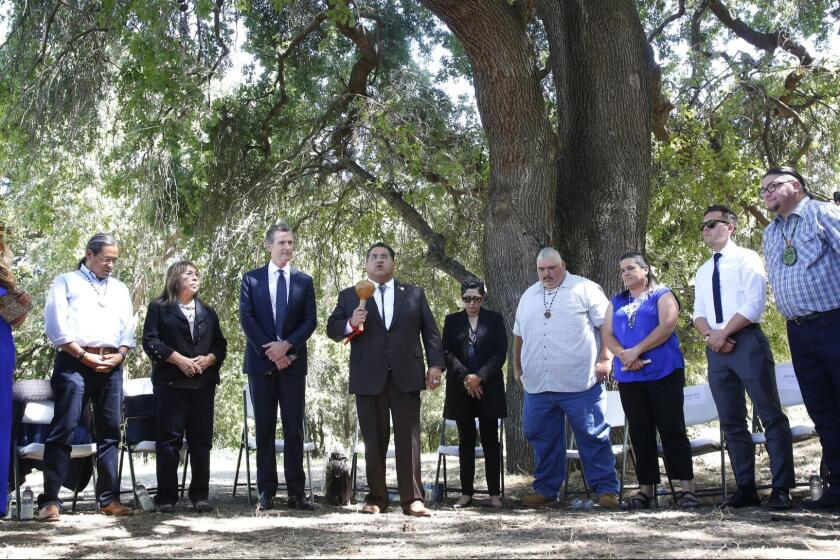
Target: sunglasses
472, 299
711, 224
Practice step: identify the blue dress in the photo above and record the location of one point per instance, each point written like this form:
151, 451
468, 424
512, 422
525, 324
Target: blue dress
7, 366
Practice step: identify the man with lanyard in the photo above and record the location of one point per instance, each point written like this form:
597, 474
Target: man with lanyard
729, 293
89, 318
802, 251
560, 363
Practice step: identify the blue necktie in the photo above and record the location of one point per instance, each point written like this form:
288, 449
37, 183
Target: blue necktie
280, 304
716, 290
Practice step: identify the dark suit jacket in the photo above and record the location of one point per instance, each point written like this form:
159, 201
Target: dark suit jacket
377, 350
257, 319
166, 329
491, 349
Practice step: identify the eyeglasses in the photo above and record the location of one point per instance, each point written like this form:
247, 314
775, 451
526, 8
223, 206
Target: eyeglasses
711, 224
108, 260
771, 188
191, 274
472, 299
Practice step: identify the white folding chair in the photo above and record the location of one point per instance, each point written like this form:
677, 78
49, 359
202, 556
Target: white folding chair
447, 450
137, 431
41, 412
249, 443
789, 395
359, 449
699, 408
615, 418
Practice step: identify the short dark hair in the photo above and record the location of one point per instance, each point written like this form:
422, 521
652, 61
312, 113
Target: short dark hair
836, 196
274, 228
787, 170
726, 211
472, 283
96, 243
384, 246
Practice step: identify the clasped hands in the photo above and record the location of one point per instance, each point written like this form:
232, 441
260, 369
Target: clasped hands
719, 342
192, 366
102, 364
278, 352
630, 359
472, 384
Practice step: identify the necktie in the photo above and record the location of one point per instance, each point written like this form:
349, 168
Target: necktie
382, 293
280, 304
716, 290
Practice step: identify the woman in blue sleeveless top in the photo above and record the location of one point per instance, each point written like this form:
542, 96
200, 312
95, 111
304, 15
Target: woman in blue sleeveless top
7, 367
650, 370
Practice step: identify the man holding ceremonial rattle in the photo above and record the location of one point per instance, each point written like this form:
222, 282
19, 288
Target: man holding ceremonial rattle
387, 374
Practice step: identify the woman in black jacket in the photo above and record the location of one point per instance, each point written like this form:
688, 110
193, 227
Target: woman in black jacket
183, 338
475, 347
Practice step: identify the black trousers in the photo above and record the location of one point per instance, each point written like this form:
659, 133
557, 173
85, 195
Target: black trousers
289, 391
652, 406
179, 412
488, 428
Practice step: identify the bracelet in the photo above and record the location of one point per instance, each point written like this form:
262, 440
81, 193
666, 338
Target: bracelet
81, 355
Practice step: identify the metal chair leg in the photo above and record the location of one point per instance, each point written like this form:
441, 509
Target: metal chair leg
353, 474
248, 470
17, 479
236, 476
309, 471
184, 474
133, 478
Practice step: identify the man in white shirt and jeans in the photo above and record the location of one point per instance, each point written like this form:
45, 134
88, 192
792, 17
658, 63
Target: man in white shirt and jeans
730, 290
559, 361
89, 318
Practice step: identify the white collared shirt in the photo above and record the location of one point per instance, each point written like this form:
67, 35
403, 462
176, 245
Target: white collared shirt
743, 286
273, 274
559, 352
389, 301
91, 312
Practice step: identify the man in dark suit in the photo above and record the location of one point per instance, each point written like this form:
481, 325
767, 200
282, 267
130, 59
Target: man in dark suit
387, 374
277, 313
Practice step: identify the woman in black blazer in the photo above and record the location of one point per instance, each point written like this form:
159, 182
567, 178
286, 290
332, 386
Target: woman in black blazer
475, 348
182, 337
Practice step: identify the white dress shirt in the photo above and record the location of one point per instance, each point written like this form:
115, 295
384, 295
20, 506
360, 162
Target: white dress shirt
273, 274
743, 286
377, 298
559, 352
91, 312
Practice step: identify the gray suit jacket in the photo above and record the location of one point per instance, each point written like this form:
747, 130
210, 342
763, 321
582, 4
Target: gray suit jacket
377, 351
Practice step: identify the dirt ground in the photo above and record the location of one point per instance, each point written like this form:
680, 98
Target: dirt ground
234, 531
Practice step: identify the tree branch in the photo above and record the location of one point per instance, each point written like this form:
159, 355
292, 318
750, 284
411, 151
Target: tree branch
673, 17
217, 33
435, 242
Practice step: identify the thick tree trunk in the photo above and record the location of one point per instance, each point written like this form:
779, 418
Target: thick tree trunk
604, 80
590, 192
519, 217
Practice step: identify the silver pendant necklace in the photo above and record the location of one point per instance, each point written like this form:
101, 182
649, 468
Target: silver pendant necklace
101, 292
547, 307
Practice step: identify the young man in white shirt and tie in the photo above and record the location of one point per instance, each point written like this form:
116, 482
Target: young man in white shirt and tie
730, 290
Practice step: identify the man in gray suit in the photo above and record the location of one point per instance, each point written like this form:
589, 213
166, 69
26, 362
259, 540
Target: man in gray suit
730, 290
387, 374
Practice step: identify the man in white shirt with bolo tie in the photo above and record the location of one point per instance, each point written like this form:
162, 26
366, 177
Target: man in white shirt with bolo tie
730, 290
89, 318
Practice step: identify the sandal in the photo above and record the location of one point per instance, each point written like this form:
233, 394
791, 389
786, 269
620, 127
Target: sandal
639, 500
463, 502
689, 500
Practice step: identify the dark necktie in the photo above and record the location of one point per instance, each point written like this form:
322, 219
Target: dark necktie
716, 290
382, 293
280, 304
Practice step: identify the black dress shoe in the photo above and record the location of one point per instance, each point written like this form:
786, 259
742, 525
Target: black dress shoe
829, 500
779, 499
300, 502
744, 496
265, 502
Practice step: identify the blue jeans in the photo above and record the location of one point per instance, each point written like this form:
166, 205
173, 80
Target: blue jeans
544, 423
75, 385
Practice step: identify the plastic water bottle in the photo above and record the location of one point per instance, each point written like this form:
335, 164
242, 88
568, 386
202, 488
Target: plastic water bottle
9, 505
816, 484
146, 502
582, 505
27, 505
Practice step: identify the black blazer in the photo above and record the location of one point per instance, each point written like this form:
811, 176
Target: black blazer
377, 350
491, 347
257, 319
166, 330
